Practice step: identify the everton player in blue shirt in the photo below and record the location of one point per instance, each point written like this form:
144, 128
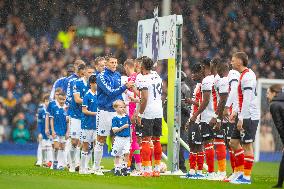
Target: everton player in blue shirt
44, 147
88, 125
71, 79
63, 81
60, 130
109, 90
48, 110
75, 114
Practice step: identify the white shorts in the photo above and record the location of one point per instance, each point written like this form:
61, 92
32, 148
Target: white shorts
88, 135
46, 143
59, 139
121, 146
104, 122
75, 128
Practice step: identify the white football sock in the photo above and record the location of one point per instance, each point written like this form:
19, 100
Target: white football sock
44, 154
61, 158
67, 151
55, 155
72, 155
77, 156
98, 154
83, 164
39, 153
49, 154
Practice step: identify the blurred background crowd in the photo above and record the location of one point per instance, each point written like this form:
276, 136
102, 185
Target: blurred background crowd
39, 38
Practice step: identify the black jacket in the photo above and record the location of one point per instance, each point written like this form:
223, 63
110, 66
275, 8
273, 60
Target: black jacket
277, 112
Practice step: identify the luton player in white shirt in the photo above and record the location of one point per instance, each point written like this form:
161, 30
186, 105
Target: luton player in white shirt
231, 106
150, 117
206, 112
248, 119
220, 95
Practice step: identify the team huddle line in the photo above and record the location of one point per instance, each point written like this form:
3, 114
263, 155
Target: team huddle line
90, 105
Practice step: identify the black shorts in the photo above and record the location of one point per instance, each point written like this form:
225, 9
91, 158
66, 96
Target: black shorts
228, 129
194, 134
138, 130
219, 133
206, 131
248, 135
151, 127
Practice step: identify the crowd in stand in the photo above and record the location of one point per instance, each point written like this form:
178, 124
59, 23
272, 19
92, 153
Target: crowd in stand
31, 58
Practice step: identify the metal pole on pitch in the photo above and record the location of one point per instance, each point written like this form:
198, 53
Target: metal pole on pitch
174, 101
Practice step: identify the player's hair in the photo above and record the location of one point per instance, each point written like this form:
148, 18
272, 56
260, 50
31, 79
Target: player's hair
62, 93
206, 62
222, 67
147, 63
242, 56
139, 59
276, 88
196, 68
70, 68
81, 67
109, 56
215, 61
79, 62
44, 97
58, 90
129, 62
89, 67
116, 103
120, 69
92, 79
98, 59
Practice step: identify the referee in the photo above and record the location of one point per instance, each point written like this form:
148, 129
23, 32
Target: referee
276, 100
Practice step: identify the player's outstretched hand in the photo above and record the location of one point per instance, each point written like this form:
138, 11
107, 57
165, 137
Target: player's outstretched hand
213, 122
53, 134
189, 101
39, 137
133, 118
139, 122
232, 117
217, 126
193, 118
47, 132
240, 125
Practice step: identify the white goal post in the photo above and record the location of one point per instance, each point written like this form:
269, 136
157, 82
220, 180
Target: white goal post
262, 84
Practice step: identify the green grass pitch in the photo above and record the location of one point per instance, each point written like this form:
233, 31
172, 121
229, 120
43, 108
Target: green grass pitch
20, 172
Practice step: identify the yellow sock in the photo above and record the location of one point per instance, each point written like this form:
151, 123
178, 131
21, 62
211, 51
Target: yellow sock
247, 172
157, 162
222, 165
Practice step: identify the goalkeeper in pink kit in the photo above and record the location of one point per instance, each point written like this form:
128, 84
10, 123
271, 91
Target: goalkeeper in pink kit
129, 66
